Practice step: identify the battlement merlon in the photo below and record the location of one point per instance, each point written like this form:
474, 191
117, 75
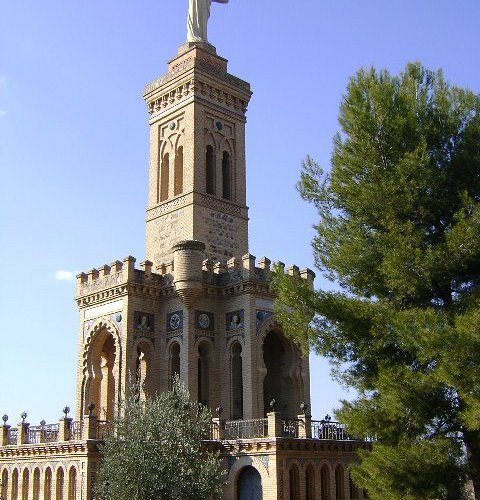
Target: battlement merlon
112, 279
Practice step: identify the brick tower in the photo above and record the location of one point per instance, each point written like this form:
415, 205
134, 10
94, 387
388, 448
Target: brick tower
197, 157
199, 305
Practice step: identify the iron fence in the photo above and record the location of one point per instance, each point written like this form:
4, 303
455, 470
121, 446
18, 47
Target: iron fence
246, 429
290, 427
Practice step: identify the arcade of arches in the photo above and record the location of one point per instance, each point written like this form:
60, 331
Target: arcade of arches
55, 482
309, 482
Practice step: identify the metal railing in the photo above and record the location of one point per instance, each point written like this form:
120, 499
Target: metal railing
76, 430
104, 429
333, 431
50, 433
246, 429
12, 435
290, 427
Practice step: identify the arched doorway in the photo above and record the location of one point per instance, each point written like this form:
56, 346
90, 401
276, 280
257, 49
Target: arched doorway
249, 484
277, 384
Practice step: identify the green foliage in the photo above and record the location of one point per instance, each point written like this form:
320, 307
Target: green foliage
399, 231
156, 453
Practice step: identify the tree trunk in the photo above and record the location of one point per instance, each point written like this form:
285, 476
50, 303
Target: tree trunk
472, 443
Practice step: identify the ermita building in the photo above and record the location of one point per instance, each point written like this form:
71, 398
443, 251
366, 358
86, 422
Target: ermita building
199, 305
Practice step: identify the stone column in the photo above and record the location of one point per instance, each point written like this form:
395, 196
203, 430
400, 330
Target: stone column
22, 436
274, 424
64, 429
5, 429
304, 423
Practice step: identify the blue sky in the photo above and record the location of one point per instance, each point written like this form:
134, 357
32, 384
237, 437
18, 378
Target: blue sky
74, 143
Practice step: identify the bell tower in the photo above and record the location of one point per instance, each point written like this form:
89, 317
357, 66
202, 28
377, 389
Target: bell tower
197, 183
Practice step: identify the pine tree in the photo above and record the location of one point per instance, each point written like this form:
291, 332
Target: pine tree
156, 451
399, 233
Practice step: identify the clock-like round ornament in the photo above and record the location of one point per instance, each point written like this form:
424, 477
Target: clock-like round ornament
175, 321
204, 320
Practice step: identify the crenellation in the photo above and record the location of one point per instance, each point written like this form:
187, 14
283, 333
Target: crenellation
264, 263
308, 275
93, 274
220, 268
116, 266
278, 264
146, 266
294, 271
104, 271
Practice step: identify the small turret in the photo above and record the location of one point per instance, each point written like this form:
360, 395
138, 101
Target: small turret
188, 257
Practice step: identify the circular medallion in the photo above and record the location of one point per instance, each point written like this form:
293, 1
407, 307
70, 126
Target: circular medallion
118, 317
172, 126
204, 320
219, 125
175, 321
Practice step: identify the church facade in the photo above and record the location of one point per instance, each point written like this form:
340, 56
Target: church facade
199, 306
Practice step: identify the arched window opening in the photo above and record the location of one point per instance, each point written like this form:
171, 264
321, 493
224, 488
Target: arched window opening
178, 172
15, 484
249, 484
4, 487
236, 377
60, 484
203, 374
325, 483
310, 483
174, 363
164, 177
294, 477
142, 369
102, 385
210, 170
277, 383
72, 484
36, 484
339, 486
226, 176
25, 484
47, 486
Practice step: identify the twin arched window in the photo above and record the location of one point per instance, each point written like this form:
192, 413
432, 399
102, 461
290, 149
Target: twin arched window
165, 175
210, 173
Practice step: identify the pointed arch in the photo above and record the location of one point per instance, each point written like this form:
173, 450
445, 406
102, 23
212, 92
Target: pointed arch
354, 492
178, 172
236, 381
36, 484
226, 175
143, 368
72, 483
4, 488
59, 484
102, 358
325, 482
310, 490
203, 372
25, 484
164, 176
14, 490
339, 482
173, 362
47, 484
210, 174
294, 482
